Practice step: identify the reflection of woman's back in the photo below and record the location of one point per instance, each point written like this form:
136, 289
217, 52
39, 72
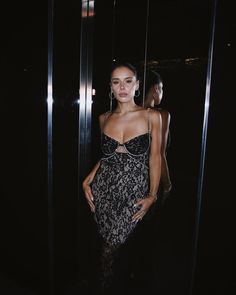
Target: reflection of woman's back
153, 97
165, 115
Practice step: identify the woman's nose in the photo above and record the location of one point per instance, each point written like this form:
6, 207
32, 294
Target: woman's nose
122, 85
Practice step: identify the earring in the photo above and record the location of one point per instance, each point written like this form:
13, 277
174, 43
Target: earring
111, 99
138, 93
110, 95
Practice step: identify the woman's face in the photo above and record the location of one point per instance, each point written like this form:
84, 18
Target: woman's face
158, 93
123, 84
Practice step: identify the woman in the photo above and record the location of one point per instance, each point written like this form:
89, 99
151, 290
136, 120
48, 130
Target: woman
153, 98
123, 185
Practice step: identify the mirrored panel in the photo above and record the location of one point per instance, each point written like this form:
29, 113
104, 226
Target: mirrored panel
66, 73
215, 267
177, 49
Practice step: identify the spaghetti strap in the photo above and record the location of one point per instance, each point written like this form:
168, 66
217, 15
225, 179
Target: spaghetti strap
149, 124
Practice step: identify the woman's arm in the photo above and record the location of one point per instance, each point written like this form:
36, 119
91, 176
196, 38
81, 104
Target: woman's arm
154, 165
86, 186
165, 175
88, 180
155, 153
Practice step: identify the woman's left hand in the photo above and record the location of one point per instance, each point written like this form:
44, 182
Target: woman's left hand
145, 205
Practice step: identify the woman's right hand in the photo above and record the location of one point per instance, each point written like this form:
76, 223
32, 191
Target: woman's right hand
88, 193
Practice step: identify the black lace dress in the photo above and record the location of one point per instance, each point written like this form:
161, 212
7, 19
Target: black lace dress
121, 180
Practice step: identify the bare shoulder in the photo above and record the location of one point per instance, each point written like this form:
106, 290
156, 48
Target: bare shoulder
165, 116
155, 115
164, 113
102, 118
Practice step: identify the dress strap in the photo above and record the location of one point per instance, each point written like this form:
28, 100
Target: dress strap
149, 123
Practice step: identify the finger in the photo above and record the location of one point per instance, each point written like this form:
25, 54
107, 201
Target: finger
88, 195
137, 219
144, 206
138, 215
92, 206
89, 198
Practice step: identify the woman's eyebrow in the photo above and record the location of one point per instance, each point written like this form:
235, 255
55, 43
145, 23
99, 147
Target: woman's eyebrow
131, 77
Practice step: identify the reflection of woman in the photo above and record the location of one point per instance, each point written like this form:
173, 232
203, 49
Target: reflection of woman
153, 98
123, 185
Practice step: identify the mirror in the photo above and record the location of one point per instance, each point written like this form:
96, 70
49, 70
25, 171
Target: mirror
63, 214
178, 44
172, 38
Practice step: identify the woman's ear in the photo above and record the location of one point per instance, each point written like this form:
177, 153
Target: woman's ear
137, 85
155, 87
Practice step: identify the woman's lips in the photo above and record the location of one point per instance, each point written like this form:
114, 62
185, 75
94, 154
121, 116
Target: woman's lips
123, 94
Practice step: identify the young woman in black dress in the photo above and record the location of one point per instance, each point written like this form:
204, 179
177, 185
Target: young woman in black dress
123, 185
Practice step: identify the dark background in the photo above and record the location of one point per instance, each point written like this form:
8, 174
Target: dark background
24, 205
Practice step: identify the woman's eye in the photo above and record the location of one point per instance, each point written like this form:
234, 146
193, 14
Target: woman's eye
129, 81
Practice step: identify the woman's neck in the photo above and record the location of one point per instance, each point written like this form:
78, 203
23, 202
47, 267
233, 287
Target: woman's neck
149, 101
124, 108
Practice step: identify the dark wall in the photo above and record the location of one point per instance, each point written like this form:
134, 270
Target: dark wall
24, 222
